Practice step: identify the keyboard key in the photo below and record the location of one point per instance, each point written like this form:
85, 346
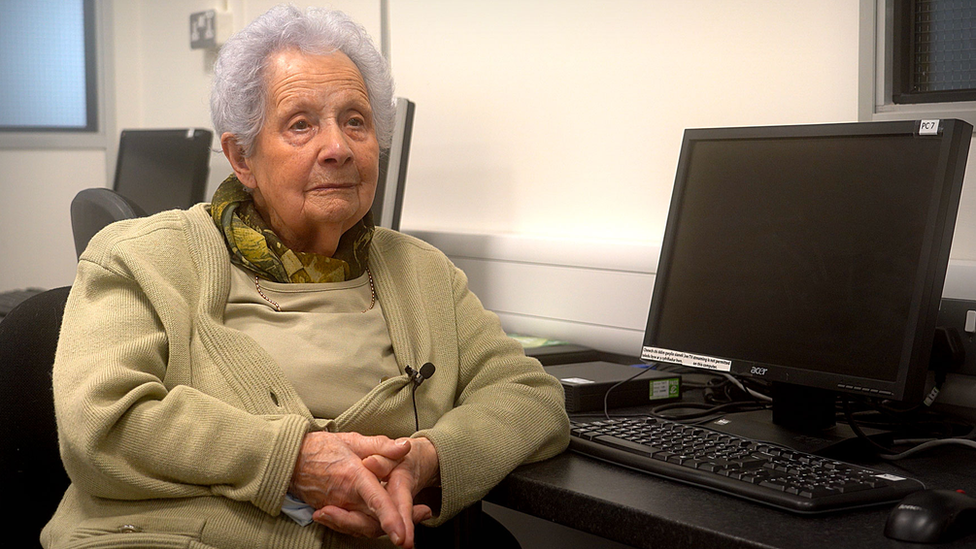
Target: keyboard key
627, 445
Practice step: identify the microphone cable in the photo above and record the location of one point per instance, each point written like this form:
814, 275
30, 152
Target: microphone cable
417, 377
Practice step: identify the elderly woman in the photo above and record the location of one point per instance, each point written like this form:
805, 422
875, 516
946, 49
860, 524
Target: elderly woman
229, 374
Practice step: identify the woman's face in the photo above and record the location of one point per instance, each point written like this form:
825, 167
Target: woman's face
314, 164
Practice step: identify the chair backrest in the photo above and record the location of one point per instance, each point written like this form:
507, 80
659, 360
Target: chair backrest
93, 209
31, 463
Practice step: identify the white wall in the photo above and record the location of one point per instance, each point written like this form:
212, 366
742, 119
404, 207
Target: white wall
564, 118
36, 188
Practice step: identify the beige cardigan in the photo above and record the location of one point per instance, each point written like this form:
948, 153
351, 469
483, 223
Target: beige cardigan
176, 429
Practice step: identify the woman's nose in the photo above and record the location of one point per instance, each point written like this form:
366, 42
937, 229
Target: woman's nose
335, 146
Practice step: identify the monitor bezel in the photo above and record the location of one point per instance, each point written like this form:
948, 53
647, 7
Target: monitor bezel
955, 136
387, 204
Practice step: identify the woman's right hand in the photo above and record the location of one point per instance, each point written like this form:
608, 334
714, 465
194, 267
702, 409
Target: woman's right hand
330, 473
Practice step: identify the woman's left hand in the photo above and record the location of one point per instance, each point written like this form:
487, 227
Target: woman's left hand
418, 470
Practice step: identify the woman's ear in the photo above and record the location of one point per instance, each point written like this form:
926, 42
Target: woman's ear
235, 155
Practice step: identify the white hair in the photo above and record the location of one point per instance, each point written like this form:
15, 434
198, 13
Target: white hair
239, 94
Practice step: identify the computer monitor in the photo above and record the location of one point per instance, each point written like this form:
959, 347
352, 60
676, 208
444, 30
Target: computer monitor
812, 256
163, 169
388, 200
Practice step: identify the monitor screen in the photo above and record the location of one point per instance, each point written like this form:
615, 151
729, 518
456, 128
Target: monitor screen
388, 200
163, 169
809, 255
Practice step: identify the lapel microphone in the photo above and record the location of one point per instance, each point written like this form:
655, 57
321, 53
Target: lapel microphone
418, 376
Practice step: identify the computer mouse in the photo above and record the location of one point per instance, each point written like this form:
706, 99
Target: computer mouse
932, 516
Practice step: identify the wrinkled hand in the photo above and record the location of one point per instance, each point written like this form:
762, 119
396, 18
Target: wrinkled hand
404, 478
340, 473
418, 470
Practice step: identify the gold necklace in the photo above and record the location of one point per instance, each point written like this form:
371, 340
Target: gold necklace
257, 285
372, 290
369, 275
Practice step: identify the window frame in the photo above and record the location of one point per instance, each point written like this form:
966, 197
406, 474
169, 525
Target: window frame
876, 51
98, 75
903, 62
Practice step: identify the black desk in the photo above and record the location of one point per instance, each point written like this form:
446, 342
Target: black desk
648, 512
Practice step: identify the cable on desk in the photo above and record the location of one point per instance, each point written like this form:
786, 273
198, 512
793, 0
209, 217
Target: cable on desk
890, 454
751, 392
706, 413
928, 446
724, 388
709, 411
912, 422
754, 401
722, 393
606, 395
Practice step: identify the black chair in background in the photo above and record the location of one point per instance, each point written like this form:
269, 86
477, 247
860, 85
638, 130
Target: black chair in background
33, 477
93, 209
156, 170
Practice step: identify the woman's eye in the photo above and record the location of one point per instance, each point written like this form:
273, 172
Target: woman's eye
356, 122
300, 125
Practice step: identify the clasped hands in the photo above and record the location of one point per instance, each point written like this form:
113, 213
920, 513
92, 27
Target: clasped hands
365, 485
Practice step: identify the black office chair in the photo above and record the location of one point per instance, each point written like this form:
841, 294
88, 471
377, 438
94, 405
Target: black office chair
33, 477
93, 209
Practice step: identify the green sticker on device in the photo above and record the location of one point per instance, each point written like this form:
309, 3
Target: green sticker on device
665, 388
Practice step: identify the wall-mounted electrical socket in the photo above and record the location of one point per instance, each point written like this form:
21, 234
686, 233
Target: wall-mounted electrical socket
209, 29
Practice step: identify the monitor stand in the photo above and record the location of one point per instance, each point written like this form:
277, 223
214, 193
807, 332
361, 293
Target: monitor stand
802, 419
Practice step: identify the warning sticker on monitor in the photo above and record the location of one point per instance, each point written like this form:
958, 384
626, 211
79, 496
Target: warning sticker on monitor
685, 359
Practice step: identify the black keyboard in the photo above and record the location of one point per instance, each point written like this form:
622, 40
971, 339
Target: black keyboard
741, 467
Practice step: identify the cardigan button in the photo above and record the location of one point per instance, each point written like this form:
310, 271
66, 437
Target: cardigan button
129, 529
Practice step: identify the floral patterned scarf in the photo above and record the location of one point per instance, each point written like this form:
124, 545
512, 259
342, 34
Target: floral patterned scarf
255, 246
